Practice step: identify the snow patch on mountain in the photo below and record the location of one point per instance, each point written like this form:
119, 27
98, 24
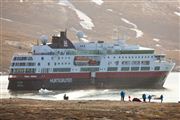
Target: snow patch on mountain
128, 22
5, 19
157, 45
110, 10
156, 39
177, 13
98, 2
85, 21
139, 33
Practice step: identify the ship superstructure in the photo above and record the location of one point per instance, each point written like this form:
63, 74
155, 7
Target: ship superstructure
64, 65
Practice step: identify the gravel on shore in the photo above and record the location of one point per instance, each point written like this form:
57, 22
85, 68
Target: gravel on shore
28, 109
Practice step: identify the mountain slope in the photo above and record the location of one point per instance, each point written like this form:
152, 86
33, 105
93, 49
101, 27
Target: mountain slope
146, 22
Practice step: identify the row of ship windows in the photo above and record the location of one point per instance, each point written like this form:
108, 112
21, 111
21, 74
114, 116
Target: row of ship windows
46, 70
22, 70
129, 57
24, 64
157, 68
68, 63
42, 58
65, 63
22, 58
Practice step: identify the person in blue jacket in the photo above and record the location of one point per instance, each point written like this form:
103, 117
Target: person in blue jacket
122, 93
144, 97
149, 97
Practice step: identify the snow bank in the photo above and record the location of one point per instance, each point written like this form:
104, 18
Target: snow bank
156, 39
177, 13
5, 19
110, 10
85, 21
139, 33
157, 45
128, 22
98, 2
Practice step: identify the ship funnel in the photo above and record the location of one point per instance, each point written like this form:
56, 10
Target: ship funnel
63, 34
44, 39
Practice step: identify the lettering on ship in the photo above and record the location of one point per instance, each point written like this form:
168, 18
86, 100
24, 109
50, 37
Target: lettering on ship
61, 80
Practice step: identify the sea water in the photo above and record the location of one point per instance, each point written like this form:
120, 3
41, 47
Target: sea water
171, 92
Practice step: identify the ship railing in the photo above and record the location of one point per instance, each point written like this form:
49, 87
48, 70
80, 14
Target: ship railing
49, 53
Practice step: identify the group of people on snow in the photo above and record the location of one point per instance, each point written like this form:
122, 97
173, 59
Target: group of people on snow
144, 97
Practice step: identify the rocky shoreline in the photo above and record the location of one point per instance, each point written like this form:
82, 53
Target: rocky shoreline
28, 109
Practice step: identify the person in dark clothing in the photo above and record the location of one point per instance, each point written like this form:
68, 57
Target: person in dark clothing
66, 97
149, 97
144, 97
129, 98
122, 93
161, 97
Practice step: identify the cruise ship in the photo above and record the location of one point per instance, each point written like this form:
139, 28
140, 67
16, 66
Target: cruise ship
63, 65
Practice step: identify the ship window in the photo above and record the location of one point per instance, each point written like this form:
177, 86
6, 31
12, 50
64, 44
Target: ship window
39, 64
55, 64
48, 63
90, 69
61, 69
112, 68
125, 69
135, 62
58, 58
42, 58
52, 58
114, 57
122, 56
145, 62
157, 68
119, 57
12, 64
125, 62
145, 68
30, 58
134, 68
138, 56
151, 56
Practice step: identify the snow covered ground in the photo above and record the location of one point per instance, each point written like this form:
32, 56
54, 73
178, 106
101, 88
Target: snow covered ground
85, 21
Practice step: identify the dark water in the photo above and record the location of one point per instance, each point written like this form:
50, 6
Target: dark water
171, 92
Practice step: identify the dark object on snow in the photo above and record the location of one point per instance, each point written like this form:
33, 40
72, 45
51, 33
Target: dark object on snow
136, 100
66, 97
